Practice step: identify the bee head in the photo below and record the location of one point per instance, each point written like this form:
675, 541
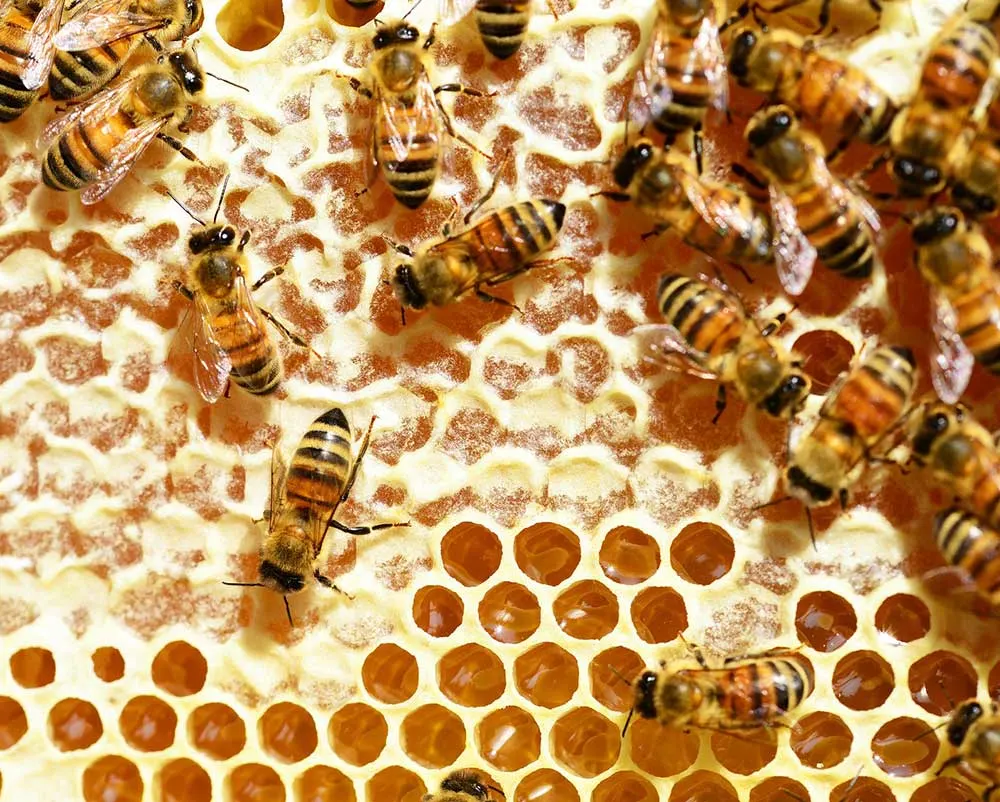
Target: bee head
936, 225
216, 237
769, 126
645, 694
465, 782
936, 422
805, 488
279, 580
184, 65
916, 178
790, 396
395, 33
631, 162
965, 716
407, 289
194, 16
778, 387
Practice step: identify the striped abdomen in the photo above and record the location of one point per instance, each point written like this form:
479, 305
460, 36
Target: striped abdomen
683, 73
701, 315
14, 98
969, 545
977, 315
502, 24
875, 395
319, 468
84, 71
748, 243
842, 239
256, 362
958, 65
80, 153
411, 178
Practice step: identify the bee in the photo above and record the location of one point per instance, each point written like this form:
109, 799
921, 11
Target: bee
976, 185
462, 786
955, 258
101, 36
362, 4
829, 94
862, 409
683, 73
962, 455
708, 334
500, 246
808, 200
305, 496
719, 220
502, 24
405, 129
94, 145
27, 28
968, 544
746, 693
976, 734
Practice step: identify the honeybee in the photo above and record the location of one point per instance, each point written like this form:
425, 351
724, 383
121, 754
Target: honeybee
94, 145
405, 126
746, 693
955, 258
708, 334
462, 786
976, 734
304, 498
809, 202
101, 36
976, 185
719, 220
502, 24
497, 248
860, 410
968, 544
27, 28
828, 93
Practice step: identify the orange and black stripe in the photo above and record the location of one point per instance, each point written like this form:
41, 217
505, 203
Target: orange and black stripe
502, 25
762, 690
874, 396
83, 71
82, 152
958, 65
411, 178
14, 29
976, 315
320, 466
701, 314
256, 361
843, 240
691, 91
749, 244
502, 243
966, 543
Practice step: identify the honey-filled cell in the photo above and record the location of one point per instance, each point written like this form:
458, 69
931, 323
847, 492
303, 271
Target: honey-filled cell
825, 354
183, 780
779, 789
396, 784
703, 786
546, 675
662, 751
862, 789
13, 722
547, 553
179, 669
702, 553
629, 556
471, 553
287, 732
509, 613
545, 785
250, 24
821, 740
825, 621
74, 724
904, 747
437, 610
862, 680
432, 736
993, 682
357, 733
112, 777
903, 618
940, 680
659, 614
471, 675
586, 610
33, 667
216, 730
390, 674
108, 663
612, 673
585, 742
147, 723
255, 782
745, 752
324, 784
945, 789
509, 739
624, 786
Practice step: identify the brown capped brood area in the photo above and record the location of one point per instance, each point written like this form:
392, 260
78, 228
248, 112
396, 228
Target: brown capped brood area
573, 511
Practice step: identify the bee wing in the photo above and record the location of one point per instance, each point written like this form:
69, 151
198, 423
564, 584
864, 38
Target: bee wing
451, 11
99, 107
843, 194
719, 215
123, 156
708, 52
663, 344
794, 254
651, 95
279, 470
41, 48
425, 112
97, 24
211, 362
951, 367
245, 311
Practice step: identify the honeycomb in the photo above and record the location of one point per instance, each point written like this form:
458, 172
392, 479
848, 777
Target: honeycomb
573, 511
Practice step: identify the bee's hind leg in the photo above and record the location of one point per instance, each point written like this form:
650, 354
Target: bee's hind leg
326, 582
482, 295
287, 332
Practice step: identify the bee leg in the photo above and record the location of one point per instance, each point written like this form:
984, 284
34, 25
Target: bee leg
183, 290
451, 128
291, 335
989, 792
152, 42
270, 274
364, 530
489, 193
177, 145
243, 243
356, 85
326, 582
749, 176
720, 403
229, 386
742, 270
658, 229
952, 761
837, 151
493, 299
431, 35
698, 150
185, 124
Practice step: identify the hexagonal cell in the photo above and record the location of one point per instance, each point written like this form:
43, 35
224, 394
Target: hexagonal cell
509, 739
510, 613
184, 780
903, 618
397, 784
112, 777
547, 553
545, 785
624, 786
33, 667
109, 665
324, 784
586, 610
821, 740
216, 730
904, 747
358, 733
703, 786
993, 682
826, 354
255, 782
432, 736
607, 670
13, 722
471, 553
437, 610
546, 675
702, 553
862, 789
585, 742
944, 789
940, 680
287, 732
779, 789
825, 621
863, 680
147, 723
252, 25
390, 674
471, 675
629, 556
662, 751
659, 614
745, 752
179, 669
74, 724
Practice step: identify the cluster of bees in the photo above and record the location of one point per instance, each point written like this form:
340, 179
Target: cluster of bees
946, 139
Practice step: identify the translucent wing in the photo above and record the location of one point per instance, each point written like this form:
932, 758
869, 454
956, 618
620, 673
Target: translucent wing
722, 216
794, 254
100, 107
245, 314
707, 53
842, 194
5, 7
97, 24
663, 344
651, 95
279, 470
422, 119
41, 49
123, 156
451, 11
211, 362
951, 366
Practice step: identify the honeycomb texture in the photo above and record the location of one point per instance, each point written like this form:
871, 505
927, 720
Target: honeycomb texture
573, 511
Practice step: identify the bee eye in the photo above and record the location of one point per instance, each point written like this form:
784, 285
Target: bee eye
938, 423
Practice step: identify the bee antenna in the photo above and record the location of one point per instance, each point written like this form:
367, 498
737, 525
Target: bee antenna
227, 81
222, 196
628, 720
498, 790
377, 21
772, 503
187, 211
412, 8
288, 612
929, 730
243, 584
812, 530
619, 674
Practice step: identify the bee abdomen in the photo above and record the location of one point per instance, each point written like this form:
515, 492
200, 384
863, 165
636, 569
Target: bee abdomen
260, 374
321, 463
507, 239
967, 544
851, 252
958, 65
14, 97
764, 690
977, 314
699, 314
81, 153
81, 72
502, 24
